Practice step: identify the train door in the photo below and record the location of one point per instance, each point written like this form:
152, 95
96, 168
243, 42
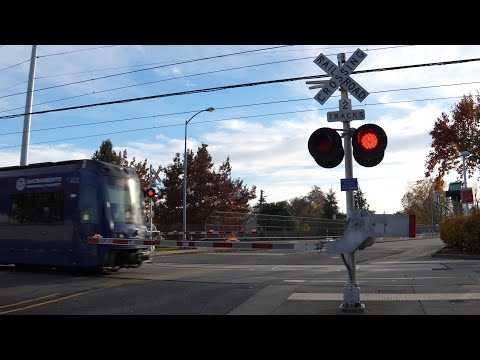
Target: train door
89, 216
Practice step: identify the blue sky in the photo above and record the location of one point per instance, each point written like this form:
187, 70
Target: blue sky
266, 143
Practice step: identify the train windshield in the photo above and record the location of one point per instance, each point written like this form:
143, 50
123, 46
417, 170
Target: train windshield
125, 200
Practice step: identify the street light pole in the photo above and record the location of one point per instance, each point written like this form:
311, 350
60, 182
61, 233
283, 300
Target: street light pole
465, 154
210, 109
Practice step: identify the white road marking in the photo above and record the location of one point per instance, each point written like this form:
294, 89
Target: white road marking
366, 279
386, 297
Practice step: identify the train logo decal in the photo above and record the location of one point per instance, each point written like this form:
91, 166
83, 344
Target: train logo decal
20, 184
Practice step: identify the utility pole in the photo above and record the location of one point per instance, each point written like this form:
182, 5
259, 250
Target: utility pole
28, 109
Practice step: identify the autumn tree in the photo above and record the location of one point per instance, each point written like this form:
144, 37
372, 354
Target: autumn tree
453, 134
426, 199
106, 153
310, 205
330, 207
208, 190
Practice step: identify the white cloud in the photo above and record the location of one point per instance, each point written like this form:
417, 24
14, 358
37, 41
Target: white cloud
270, 151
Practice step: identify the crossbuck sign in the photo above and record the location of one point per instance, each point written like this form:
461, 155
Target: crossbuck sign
341, 77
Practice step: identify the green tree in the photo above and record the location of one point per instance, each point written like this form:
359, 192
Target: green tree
208, 190
330, 207
261, 200
106, 153
359, 201
453, 134
275, 216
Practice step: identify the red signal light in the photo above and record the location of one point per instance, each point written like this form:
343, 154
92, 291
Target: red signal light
150, 193
369, 142
367, 139
325, 146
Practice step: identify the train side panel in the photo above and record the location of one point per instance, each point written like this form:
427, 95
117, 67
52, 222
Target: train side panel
36, 211
49, 210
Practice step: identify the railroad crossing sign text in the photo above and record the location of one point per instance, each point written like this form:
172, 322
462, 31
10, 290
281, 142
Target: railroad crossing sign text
346, 113
341, 77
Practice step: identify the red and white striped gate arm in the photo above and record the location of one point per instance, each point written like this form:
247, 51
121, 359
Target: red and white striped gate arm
303, 246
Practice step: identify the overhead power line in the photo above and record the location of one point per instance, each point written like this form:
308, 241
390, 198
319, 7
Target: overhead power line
249, 105
153, 67
72, 51
168, 79
219, 88
23, 82
171, 62
257, 52
178, 77
217, 120
11, 66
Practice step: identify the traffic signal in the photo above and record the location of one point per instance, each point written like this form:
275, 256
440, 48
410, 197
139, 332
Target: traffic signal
325, 146
150, 193
369, 142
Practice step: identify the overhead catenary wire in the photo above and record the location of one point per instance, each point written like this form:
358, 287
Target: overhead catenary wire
73, 51
11, 66
266, 103
258, 52
247, 52
206, 121
168, 79
219, 88
146, 69
23, 82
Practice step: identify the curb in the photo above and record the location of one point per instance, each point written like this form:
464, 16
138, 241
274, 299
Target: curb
457, 256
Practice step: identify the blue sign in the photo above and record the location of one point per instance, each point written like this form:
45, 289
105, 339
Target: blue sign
349, 184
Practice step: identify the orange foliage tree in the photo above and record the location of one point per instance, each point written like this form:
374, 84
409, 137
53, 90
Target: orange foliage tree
453, 134
208, 190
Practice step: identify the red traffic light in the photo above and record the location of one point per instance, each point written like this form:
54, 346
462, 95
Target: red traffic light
369, 142
150, 193
325, 146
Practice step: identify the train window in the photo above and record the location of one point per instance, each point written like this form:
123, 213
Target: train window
37, 208
88, 204
124, 197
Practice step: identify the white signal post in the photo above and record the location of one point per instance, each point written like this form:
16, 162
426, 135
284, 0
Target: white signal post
341, 79
153, 181
362, 227
351, 294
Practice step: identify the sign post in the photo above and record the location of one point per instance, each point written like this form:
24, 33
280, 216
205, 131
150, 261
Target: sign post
340, 78
153, 181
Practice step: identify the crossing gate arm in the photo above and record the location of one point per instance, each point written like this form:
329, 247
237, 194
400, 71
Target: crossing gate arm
301, 246
363, 227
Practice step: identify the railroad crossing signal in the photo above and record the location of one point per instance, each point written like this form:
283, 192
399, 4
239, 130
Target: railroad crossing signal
369, 142
341, 77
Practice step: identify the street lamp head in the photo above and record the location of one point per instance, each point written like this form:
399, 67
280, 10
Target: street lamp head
465, 153
210, 109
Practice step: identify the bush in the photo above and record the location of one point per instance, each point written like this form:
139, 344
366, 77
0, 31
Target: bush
462, 233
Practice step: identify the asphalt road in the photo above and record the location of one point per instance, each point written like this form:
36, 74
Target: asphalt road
399, 278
